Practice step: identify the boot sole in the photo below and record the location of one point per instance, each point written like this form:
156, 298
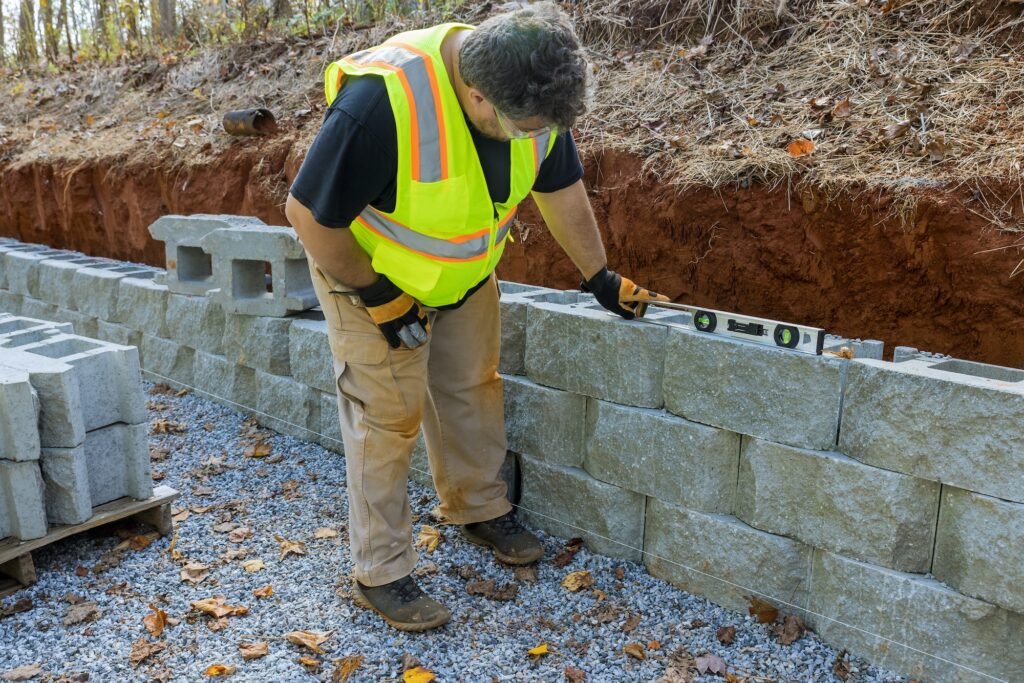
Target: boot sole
507, 559
410, 627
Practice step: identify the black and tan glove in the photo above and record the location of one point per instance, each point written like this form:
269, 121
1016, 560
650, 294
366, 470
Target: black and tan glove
400, 317
620, 295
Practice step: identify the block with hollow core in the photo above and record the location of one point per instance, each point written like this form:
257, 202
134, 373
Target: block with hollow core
260, 270
56, 384
96, 287
22, 506
258, 342
21, 270
19, 416
515, 298
55, 279
37, 308
16, 330
118, 460
189, 265
118, 334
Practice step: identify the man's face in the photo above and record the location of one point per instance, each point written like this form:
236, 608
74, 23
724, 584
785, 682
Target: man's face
492, 124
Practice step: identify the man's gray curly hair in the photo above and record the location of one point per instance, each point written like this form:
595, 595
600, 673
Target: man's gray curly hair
528, 62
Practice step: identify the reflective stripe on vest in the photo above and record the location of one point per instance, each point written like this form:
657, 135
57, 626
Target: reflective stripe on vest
540, 149
465, 248
416, 73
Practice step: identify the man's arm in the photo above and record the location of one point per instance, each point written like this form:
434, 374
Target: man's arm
335, 251
571, 221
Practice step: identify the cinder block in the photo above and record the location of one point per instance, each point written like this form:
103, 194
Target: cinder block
662, 456
142, 304
287, 406
591, 352
765, 392
35, 308
979, 548
515, 298
61, 423
118, 334
19, 330
258, 342
568, 502
167, 362
96, 288
66, 477
189, 266
218, 379
330, 423
15, 247
19, 416
10, 302
22, 268
196, 321
55, 279
22, 510
950, 421
831, 501
309, 354
118, 461
868, 607
861, 348
241, 256
109, 380
722, 559
544, 423
81, 324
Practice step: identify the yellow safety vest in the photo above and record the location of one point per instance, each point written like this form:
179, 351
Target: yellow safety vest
445, 234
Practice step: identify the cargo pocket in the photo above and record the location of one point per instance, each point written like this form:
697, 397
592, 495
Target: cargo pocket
364, 376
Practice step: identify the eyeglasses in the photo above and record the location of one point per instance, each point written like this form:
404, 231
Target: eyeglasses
514, 132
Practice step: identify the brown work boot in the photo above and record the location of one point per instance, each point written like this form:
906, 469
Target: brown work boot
511, 542
402, 604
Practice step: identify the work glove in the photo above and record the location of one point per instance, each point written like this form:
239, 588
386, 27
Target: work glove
400, 317
620, 295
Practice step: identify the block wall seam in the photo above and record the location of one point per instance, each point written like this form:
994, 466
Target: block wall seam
843, 375
935, 535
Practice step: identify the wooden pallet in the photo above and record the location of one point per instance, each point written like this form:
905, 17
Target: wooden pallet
16, 567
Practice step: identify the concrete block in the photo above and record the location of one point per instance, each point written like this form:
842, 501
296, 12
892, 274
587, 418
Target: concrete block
22, 510
218, 379
591, 352
721, 558
241, 256
515, 298
765, 392
109, 380
142, 305
568, 502
967, 637
195, 321
118, 459
189, 266
96, 288
36, 308
831, 501
18, 330
22, 268
66, 477
287, 406
55, 279
118, 334
167, 362
662, 456
950, 421
81, 324
544, 423
10, 302
61, 421
19, 416
309, 354
15, 247
330, 423
258, 342
979, 547
862, 348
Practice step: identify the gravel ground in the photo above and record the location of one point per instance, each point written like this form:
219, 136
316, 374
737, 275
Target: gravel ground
292, 491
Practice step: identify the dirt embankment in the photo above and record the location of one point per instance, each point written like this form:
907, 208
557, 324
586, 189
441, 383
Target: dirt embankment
929, 272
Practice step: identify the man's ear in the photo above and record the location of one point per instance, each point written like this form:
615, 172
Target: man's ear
476, 97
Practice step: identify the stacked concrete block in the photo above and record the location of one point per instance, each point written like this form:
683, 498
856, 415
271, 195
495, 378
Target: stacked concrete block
96, 288
544, 423
10, 302
862, 348
16, 330
15, 247
19, 416
22, 507
118, 462
568, 502
189, 265
949, 421
142, 304
221, 380
197, 320
287, 406
765, 392
515, 298
21, 268
662, 456
55, 279
118, 334
309, 354
56, 383
976, 641
37, 308
241, 256
590, 352
979, 549
258, 342
167, 362
831, 501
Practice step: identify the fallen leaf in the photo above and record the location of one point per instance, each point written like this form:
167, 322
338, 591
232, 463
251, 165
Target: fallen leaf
654, 645
631, 624
841, 667
427, 569
343, 668
234, 554
576, 581
790, 630
467, 572
538, 652
253, 650
566, 555
240, 534
22, 605
290, 547
225, 527
752, 122
156, 622
325, 532
253, 566
85, 611
260, 449
309, 662
215, 607
180, 516
409, 661
936, 149
217, 670
309, 639
142, 541
418, 675
679, 669
800, 147
162, 426
726, 635
428, 538
635, 650
489, 589
710, 663
765, 611
620, 573
264, 592
194, 572
897, 130
142, 649
574, 675
22, 673
843, 109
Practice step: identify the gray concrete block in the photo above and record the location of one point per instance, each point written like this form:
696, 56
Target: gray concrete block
241, 256
22, 510
934, 420
218, 379
10, 302
118, 334
287, 406
118, 459
258, 342
515, 298
195, 321
36, 308
22, 268
922, 615
142, 304
662, 456
96, 288
722, 559
81, 324
19, 416
167, 362
309, 354
330, 423
831, 501
18, 330
544, 423
568, 502
189, 266
979, 548
61, 422
861, 348
765, 392
591, 352
15, 247
55, 279
110, 383
66, 477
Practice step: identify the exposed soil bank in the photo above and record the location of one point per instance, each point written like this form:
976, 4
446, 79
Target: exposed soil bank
936, 277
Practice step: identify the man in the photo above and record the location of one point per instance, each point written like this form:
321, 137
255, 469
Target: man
403, 203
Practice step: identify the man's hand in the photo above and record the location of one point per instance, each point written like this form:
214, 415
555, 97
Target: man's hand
620, 295
400, 317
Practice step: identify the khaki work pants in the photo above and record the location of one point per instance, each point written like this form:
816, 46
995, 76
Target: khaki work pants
450, 386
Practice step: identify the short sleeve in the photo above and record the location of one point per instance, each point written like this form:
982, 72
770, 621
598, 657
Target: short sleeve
561, 168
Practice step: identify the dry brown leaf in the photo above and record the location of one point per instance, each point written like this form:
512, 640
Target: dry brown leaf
290, 547
418, 675
234, 554
309, 662
260, 449
843, 109
22, 673
82, 612
765, 611
635, 650
264, 592
897, 130
428, 538
574, 675
800, 147
790, 630
240, 534
710, 663
218, 670
576, 581
253, 650
309, 639
325, 532
427, 569
841, 667
162, 426
180, 515
936, 149
726, 635
631, 623
343, 668
215, 607
620, 573
489, 589
142, 541
142, 649
253, 566
194, 572
566, 555
155, 622
654, 645
224, 527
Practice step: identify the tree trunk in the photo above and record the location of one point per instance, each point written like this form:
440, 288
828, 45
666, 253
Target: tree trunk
67, 28
282, 9
27, 52
51, 32
168, 19
3, 44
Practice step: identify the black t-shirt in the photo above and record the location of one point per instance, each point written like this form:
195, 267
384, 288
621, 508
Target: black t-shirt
353, 161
